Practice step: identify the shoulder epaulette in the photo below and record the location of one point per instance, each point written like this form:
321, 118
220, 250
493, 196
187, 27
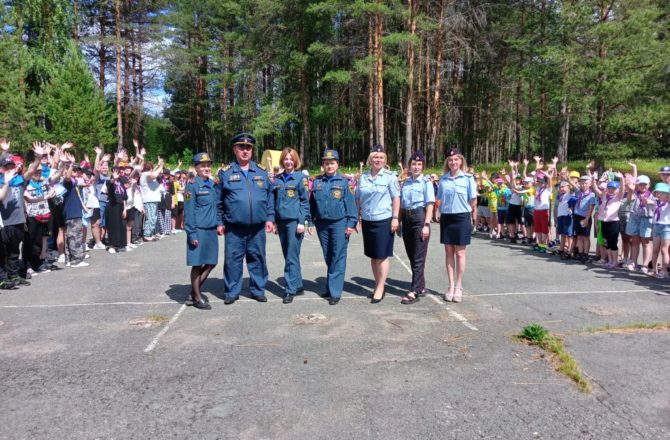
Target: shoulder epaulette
226, 168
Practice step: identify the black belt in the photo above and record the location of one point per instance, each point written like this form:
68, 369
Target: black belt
411, 212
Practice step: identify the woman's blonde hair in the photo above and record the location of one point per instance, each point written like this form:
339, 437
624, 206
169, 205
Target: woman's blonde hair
464, 164
369, 161
294, 155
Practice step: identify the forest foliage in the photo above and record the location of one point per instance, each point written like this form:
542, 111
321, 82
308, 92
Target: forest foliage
579, 79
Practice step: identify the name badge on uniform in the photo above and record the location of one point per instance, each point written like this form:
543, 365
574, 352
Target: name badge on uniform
234, 178
203, 192
260, 182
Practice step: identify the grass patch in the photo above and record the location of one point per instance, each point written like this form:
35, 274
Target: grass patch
157, 318
535, 334
631, 328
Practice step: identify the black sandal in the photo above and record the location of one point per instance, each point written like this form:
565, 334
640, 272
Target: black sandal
407, 299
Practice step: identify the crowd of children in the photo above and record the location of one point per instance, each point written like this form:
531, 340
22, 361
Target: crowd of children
621, 210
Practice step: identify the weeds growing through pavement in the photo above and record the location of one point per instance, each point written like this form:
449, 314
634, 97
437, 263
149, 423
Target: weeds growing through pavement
565, 364
630, 328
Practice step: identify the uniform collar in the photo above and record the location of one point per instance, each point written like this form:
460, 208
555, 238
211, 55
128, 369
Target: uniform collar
412, 179
252, 166
325, 177
286, 177
448, 175
203, 182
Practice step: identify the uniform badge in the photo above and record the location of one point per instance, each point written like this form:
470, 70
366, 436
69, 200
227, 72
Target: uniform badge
187, 195
337, 194
306, 183
290, 193
226, 168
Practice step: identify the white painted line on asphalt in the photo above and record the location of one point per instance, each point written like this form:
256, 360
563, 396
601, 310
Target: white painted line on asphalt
570, 292
48, 306
164, 330
460, 318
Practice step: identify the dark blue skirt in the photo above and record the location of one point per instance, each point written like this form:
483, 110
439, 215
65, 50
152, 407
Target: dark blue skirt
207, 251
456, 229
377, 239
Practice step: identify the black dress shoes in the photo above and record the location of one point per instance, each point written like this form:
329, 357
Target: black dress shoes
229, 301
288, 299
261, 298
325, 295
300, 291
202, 305
333, 301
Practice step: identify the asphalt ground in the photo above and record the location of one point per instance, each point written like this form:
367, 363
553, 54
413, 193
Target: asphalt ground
112, 352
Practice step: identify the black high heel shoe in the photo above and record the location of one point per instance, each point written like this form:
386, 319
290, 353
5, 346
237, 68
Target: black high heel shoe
375, 301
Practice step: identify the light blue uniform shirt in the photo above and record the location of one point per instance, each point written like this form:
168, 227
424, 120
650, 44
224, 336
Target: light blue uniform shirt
455, 193
417, 193
376, 196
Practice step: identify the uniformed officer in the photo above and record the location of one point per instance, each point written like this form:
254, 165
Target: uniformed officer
417, 199
246, 209
333, 210
457, 192
201, 198
291, 200
378, 202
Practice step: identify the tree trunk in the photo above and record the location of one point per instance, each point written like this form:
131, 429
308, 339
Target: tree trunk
371, 86
304, 105
435, 125
119, 113
564, 116
127, 37
410, 83
379, 76
102, 49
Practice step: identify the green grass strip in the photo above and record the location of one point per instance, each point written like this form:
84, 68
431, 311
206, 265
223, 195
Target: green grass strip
610, 328
565, 364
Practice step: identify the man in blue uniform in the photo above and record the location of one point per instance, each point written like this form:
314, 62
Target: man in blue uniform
246, 210
334, 213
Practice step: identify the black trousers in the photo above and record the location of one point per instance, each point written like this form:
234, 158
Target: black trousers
10, 250
415, 246
32, 245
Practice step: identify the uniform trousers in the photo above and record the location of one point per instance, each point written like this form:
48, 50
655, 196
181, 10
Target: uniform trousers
244, 242
334, 246
291, 242
415, 246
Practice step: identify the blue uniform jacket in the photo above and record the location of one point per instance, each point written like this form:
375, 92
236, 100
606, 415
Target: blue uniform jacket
291, 197
245, 199
201, 198
332, 199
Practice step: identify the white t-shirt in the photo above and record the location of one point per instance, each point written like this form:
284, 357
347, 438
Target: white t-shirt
661, 213
542, 198
151, 189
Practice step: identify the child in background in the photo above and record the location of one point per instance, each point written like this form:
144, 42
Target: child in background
483, 212
564, 204
608, 215
624, 215
541, 213
601, 253
503, 194
661, 229
581, 217
639, 223
528, 201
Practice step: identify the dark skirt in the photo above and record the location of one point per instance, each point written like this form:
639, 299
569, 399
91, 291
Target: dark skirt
377, 239
117, 234
207, 251
456, 229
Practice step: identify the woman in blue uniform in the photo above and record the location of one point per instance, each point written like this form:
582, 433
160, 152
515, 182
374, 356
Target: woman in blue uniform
457, 192
333, 210
200, 224
378, 202
417, 198
291, 195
